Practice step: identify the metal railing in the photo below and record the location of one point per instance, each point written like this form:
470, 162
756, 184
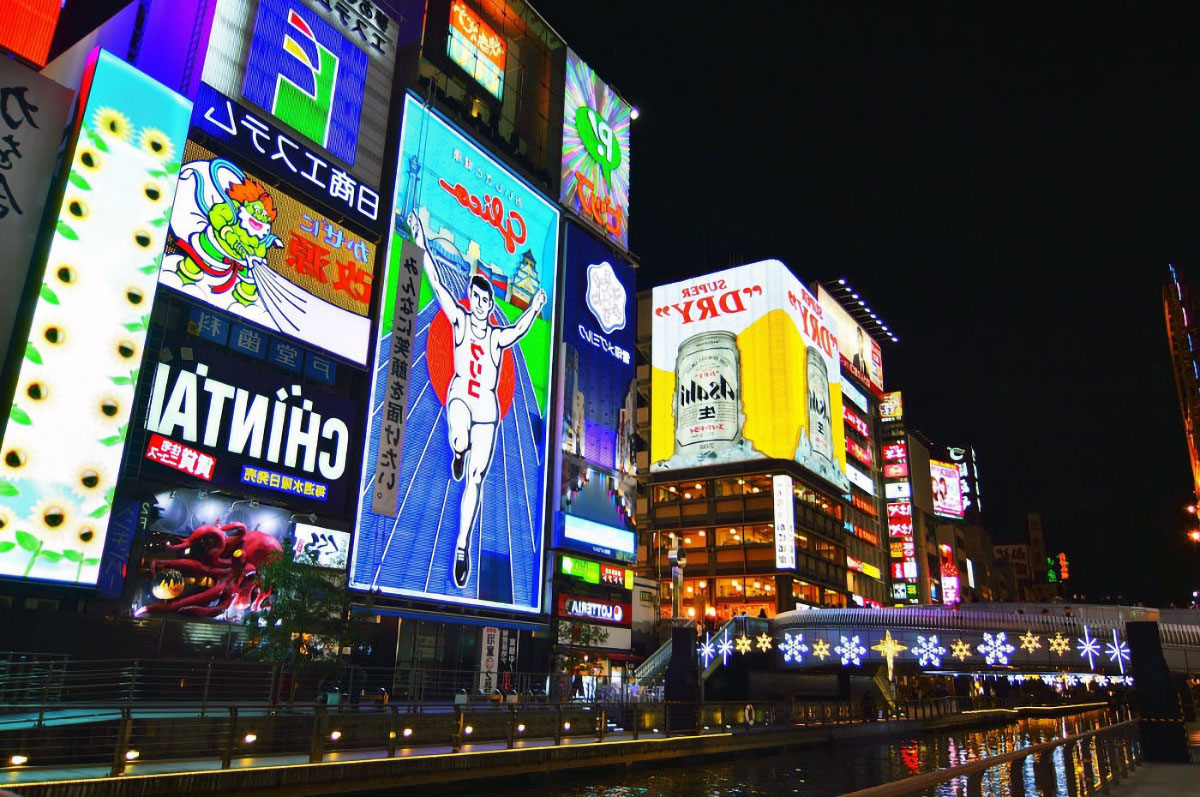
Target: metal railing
1091, 761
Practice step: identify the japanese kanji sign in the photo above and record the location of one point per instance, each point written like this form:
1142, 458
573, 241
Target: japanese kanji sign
33, 110
404, 290
259, 254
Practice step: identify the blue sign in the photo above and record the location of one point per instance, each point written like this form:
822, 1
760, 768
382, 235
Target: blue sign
280, 154
470, 479
309, 76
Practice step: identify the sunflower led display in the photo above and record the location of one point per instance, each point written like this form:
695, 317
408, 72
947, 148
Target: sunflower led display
62, 445
595, 157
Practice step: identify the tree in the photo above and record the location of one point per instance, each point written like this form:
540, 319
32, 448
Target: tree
578, 641
307, 620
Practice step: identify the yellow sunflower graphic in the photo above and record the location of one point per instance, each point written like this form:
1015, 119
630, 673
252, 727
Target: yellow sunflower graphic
112, 123
156, 143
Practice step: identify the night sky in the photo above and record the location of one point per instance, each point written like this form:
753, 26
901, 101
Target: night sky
1004, 186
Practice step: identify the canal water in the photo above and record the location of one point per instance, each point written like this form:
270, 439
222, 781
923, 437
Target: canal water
817, 771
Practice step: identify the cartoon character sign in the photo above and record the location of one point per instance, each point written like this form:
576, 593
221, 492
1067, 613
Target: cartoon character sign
261, 255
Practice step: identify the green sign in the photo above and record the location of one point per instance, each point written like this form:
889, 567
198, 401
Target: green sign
581, 569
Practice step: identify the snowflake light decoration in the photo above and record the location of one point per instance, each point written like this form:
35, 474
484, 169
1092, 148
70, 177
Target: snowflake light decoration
1060, 644
1089, 647
793, 648
764, 642
1117, 651
743, 644
1102, 680
995, 648
889, 649
707, 651
1071, 681
725, 647
820, 649
851, 650
928, 652
960, 650
1029, 642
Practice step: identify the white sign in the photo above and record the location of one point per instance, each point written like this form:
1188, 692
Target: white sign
33, 111
897, 490
860, 479
489, 658
395, 399
785, 520
329, 547
581, 530
855, 396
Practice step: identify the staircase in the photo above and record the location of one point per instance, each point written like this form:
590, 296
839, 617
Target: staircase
654, 667
886, 687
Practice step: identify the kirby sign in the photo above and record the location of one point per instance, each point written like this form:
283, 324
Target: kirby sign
745, 366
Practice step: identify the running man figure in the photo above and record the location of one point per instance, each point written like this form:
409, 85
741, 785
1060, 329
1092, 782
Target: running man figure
472, 409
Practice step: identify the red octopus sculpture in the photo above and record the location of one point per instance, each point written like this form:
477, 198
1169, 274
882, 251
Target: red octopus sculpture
230, 555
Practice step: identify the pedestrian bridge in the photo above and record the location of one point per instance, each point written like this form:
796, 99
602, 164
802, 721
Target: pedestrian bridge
1026, 639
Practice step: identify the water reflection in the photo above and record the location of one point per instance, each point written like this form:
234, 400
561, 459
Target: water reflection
830, 770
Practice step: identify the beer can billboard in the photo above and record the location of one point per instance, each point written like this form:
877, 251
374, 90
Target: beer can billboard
745, 366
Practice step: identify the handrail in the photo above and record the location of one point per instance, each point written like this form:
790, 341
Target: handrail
918, 783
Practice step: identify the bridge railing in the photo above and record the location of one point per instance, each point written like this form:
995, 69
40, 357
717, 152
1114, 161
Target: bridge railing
1091, 761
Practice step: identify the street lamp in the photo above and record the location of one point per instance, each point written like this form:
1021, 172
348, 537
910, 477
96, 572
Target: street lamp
1194, 535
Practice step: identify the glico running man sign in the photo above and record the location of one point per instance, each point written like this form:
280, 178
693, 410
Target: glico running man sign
466, 524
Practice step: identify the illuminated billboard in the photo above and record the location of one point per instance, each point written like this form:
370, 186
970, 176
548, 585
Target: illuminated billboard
891, 408
466, 525
597, 422
477, 48
256, 253
75, 389
947, 494
595, 159
963, 458
858, 349
744, 366
246, 425
27, 28
320, 69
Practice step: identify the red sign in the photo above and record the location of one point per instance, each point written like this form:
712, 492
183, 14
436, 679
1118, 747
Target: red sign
859, 452
612, 575
866, 534
895, 470
899, 509
178, 456
856, 423
864, 505
27, 28
595, 609
893, 451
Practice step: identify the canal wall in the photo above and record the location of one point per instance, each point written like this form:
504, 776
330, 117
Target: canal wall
343, 776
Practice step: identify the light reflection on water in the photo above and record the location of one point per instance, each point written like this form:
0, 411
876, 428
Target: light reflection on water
822, 770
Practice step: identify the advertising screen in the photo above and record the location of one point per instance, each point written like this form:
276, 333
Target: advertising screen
255, 252
947, 494
470, 492
66, 432
239, 424
477, 48
322, 70
595, 159
857, 348
744, 366
203, 554
599, 413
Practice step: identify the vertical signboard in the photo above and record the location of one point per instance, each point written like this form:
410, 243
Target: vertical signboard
65, 435
596, 428
489, 658
468, 524
785, 522
477, 48
745, 367
595, 159
33, 110
963, 458
947, 492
